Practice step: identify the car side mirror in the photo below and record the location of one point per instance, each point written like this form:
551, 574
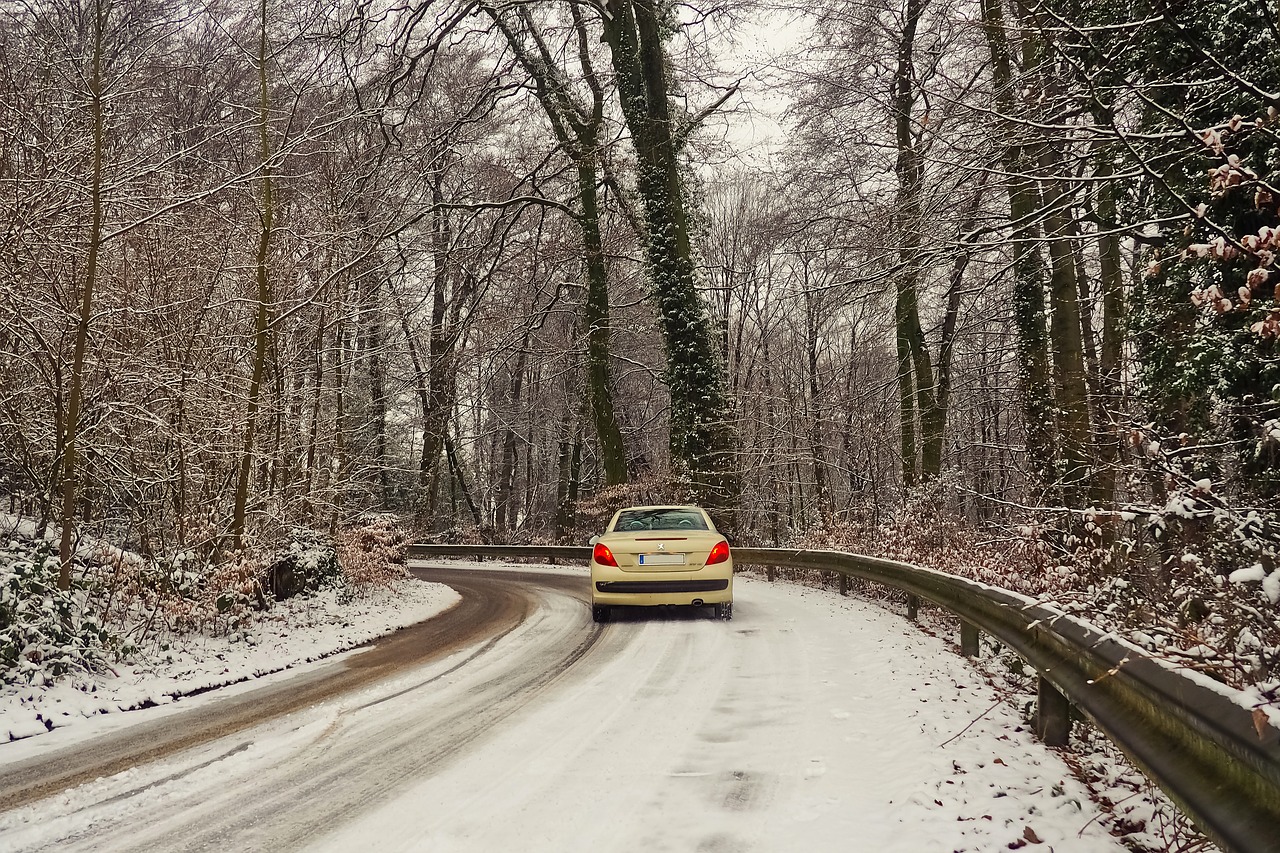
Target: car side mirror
593, 540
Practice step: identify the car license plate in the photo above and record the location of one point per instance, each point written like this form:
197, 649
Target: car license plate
662, 559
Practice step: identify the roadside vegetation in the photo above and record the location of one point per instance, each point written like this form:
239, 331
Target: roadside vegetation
123, 606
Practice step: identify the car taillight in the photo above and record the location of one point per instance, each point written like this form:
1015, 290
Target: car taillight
718, 554
604, 556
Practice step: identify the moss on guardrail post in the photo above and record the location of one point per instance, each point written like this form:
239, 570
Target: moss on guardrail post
1053, 714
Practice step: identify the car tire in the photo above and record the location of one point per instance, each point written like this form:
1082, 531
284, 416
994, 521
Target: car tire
600, 613
724, 610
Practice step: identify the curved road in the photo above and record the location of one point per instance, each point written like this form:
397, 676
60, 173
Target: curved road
489, 607
513, 722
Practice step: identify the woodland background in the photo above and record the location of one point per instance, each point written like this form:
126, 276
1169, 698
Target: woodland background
999, 295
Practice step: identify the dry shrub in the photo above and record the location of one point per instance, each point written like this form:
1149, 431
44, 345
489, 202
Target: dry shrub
371, 552
1193, 581
595, 511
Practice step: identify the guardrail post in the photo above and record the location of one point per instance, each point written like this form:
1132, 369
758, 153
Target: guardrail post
1053, 714
913, 607
968, 639
771, 573
844, 584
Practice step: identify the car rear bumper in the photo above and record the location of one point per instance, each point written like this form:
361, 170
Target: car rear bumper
709, 585
715, 585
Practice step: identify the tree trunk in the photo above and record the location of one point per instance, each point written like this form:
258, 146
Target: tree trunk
313, 434
916, 390
438, 400
701, 437
504, 511
371, 322
456, 468
338, 471
613, 455
1065, 333
938, 417
1029, 277
578, 130
821, 494
1113, 331
261, 320
71, 421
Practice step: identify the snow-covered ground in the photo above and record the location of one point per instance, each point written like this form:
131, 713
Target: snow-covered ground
810, 722
294, 632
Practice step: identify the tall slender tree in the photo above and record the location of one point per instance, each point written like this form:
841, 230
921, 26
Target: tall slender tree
262, 302
578, 128
70, 484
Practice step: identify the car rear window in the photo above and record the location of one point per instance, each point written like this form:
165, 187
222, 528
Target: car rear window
660, 519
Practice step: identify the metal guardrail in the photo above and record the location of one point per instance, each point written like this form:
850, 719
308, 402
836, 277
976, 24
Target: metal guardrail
1207, 752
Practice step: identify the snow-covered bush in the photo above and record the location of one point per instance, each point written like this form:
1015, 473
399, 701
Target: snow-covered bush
1202, 585
307, 562
44, 632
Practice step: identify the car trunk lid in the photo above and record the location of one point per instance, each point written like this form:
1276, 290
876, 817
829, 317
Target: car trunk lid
659, 551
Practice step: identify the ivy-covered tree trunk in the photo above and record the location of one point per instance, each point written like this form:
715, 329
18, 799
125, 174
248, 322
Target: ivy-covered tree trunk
1029, 274
701, 435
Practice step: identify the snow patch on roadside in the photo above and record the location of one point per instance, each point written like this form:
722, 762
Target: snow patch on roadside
293, 632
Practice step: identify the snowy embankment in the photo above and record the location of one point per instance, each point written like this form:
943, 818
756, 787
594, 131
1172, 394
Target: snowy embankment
809, 722
293, 632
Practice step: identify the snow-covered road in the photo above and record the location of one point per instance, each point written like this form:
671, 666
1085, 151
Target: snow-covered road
810, 722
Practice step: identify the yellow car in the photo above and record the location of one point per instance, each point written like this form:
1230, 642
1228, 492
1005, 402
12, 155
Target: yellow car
655, 555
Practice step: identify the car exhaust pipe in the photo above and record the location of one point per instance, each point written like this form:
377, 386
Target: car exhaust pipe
697, 602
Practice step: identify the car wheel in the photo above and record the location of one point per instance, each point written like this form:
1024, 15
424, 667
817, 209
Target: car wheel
600, 613
724, 610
